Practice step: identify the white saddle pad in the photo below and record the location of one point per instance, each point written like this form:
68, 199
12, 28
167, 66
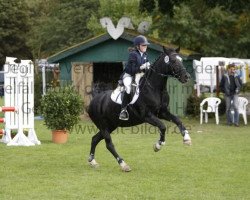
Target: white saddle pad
116, 94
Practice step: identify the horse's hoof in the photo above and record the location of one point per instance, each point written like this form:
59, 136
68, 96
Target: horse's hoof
156, 147
187, 142
93, 163
125, 167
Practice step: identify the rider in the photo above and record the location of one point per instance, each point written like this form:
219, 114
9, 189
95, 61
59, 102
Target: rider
137, 61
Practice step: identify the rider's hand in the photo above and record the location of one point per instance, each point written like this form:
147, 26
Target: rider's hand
145, 66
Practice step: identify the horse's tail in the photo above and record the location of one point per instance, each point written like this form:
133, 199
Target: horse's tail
93, 108
96, 108
89, 110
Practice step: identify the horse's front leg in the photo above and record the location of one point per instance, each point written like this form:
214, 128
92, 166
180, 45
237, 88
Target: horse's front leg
153, 120
165, 114
95, 140
110, 146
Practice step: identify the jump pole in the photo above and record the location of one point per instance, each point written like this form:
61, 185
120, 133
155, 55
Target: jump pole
6, 134
7, 109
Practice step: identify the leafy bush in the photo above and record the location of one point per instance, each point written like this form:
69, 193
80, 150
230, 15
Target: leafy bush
246, 87
37, 93
222, 106
193, 105
61, 108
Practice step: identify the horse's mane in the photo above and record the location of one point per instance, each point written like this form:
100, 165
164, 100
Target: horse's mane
152, 65
156, 60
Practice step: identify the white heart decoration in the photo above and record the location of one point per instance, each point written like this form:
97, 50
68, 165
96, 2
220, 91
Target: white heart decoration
115, 32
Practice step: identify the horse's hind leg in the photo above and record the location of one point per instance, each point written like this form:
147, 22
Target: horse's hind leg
95, 140
110, 146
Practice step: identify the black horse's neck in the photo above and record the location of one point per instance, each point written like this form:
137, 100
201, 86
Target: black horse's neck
155, 78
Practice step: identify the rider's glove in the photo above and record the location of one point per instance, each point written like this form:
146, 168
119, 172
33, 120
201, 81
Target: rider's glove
145, 66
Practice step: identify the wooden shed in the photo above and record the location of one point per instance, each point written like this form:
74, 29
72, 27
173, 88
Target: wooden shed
100, 60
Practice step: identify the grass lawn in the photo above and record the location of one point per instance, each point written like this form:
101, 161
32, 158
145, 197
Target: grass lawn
216, 166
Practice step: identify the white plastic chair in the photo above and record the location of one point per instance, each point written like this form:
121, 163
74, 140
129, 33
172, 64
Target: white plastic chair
242, 102
212, 107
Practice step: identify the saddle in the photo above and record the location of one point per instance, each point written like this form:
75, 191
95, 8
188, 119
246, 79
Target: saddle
117, 94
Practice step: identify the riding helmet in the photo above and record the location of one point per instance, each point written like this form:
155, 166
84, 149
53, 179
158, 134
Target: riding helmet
140, 40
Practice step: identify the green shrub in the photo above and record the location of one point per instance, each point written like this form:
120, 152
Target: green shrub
222, 106
193, 105
38, 92
61, 108
246, 87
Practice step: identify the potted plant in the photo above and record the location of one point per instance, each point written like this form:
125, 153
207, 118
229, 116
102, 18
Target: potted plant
61, 108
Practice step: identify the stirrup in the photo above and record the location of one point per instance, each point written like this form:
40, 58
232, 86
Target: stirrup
124, 115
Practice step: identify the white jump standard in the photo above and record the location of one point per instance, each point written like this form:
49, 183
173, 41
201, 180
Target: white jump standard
19, 103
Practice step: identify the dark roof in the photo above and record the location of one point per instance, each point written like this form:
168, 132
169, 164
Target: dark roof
127, 35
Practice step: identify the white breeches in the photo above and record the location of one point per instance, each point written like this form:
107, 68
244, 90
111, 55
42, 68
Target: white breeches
127, 81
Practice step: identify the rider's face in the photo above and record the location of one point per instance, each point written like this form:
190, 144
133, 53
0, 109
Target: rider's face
143, 48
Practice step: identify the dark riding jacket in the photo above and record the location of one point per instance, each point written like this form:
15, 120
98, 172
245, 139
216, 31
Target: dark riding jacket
135, 60
230, 84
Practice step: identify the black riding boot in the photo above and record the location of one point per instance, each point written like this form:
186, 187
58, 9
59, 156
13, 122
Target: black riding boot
124, 113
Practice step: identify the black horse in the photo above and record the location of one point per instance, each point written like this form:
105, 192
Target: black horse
151, 106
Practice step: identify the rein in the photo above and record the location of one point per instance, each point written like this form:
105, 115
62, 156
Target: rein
154, 71
157, 73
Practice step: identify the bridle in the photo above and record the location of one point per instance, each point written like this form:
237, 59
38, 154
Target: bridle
171, 65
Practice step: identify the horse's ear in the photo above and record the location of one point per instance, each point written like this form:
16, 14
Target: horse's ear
165, 50
178, 49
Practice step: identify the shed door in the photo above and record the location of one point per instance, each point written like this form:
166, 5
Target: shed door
82, 78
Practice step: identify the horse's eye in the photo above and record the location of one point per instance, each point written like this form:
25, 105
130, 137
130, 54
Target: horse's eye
179, 58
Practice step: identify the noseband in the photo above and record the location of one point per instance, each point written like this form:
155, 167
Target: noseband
172, 66
176, 74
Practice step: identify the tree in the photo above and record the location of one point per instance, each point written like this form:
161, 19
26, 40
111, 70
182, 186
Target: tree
115, 10
213, 28
14, 25
165, 7
243, 27
59, 24
212, 31
147, 5
234, 6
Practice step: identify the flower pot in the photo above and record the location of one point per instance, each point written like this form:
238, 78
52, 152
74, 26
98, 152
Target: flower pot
59, 136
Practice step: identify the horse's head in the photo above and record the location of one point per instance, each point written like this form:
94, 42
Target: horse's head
173, 66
